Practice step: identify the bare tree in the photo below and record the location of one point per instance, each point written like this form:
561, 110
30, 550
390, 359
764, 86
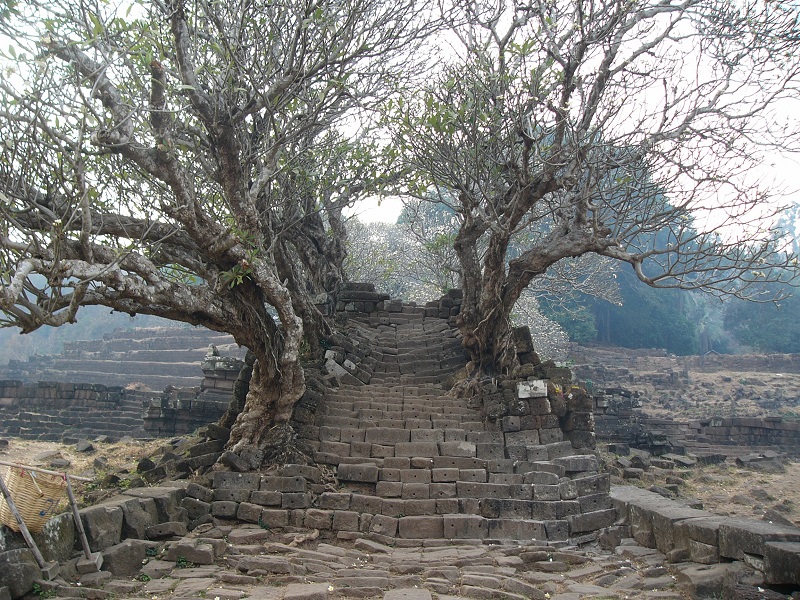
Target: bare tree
598, 127
186, 160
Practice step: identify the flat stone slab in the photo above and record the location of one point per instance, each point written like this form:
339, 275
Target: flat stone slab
407, 594
306, 591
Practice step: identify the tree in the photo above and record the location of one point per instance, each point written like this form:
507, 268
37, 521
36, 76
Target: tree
191, 161
573, 119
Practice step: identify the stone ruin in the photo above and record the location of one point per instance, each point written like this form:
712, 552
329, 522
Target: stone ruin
395, 462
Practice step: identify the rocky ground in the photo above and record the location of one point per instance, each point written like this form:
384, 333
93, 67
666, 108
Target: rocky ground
231, 561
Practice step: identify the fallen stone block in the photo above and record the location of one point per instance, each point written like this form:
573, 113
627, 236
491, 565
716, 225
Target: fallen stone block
740, 537
782, 563
18, 571
125, 559
191, 550
103, 526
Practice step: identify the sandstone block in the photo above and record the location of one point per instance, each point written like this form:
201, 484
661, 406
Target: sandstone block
384, 525
782, 563
195, 508
443, 490
465, 527
421, 449
738, 537
284, 484
191, 550
444, 475
415, 475
318, 519
592, 521
467, 449
18, 571
415, 491
578, 463
550, 435
271, 517
231, 495
103, 526
345, 520
249, 513
295, 500
265, 498
389, 489
231, 480
421, 527
528, 437
548, 492
517, 529
224, 509
365, 473
540, 478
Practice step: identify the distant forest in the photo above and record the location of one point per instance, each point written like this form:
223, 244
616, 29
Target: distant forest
680, 322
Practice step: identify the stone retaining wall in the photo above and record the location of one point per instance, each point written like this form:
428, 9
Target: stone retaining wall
683, 533
617, 420
68, 411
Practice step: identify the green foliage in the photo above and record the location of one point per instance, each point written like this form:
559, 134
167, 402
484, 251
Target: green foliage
42, 593
183, 563
765, 327
649, 318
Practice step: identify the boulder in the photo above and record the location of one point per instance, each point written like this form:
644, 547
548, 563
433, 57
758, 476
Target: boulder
125, 559
103, 525
18, 571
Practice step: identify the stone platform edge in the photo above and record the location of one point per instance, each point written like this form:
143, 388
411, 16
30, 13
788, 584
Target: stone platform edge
684, 533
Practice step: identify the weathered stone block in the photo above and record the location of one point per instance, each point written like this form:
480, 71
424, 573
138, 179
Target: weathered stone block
459, 448
103, 526
417, 491
224, 509
592, 521
384, 525
540, 477
578, 463
421, 527
232, 495
532, 389
782, 563
738, 537
191, 550
249, 513
265, 498
125, 559
465, 527
295, 500
546, 492
523, 438
274, 518
167, 501
18, 571
195, 508
365, 473
318, 519
284, 484
422, 449
345, 520
517, 529
230, 480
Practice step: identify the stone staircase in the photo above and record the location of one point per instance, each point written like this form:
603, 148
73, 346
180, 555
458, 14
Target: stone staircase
413, 463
